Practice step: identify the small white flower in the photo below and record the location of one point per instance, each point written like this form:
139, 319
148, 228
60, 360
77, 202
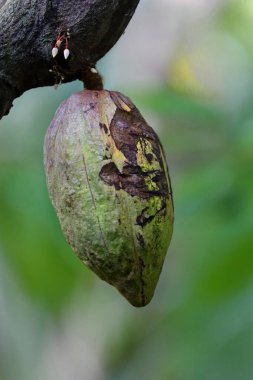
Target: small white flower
55, 52
66, 53
93, 70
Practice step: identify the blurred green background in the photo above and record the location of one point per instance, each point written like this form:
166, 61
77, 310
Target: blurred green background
188, 66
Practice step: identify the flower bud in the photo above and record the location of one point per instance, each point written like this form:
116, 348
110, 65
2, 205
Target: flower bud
66, 53
54, 52
109, 184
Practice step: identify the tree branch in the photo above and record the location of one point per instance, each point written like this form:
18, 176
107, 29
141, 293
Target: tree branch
28, 31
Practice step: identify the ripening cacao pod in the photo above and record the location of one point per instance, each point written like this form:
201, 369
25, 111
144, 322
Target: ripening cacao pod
108, 181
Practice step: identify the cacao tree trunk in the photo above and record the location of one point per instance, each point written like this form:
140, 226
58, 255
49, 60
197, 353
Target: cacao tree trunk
28, 31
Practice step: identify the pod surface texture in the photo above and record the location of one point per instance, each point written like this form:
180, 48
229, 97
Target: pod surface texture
109, 184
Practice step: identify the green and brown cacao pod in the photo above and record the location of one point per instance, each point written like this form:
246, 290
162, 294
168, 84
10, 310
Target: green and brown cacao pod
109, 184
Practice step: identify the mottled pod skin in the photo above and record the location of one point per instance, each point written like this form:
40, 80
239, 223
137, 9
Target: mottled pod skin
108, 181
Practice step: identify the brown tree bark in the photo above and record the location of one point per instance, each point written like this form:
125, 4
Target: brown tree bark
28, 31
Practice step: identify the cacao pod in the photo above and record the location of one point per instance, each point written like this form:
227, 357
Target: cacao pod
109, 184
